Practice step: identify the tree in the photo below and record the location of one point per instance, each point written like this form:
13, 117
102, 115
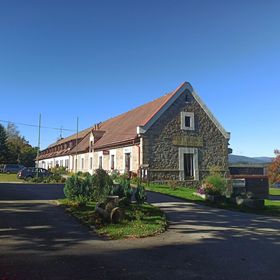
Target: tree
3, 145
28, 155
274, 168
15, 143
18, 150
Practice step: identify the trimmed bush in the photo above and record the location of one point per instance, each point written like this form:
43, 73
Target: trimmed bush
76, 187
101, 184
140, 194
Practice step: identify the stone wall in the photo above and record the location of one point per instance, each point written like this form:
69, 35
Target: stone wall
162, 155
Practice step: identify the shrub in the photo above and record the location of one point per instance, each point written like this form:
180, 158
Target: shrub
135, 180
101, 184
76, 187
59, 170
122, 188
114, 175
140, 194
214, 185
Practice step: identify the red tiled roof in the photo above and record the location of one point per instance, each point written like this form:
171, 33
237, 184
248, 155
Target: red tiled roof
80, 135
120, 129
124, 127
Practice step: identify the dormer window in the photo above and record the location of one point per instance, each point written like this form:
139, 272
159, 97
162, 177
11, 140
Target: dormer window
91, 146
187, 121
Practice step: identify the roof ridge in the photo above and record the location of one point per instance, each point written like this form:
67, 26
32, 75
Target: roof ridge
139, 106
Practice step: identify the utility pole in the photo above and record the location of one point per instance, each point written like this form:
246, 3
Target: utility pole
76, 160
38, 151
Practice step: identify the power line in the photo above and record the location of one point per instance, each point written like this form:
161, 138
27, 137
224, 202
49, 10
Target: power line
35, 125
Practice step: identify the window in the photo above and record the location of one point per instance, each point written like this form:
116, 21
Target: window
187, 121
100, 162
188, 166
112, 162
91, 146
82, 164
66, 163
61, 163
188, 98
90, 163
127, 162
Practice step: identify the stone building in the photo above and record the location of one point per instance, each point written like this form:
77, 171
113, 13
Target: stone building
174, 137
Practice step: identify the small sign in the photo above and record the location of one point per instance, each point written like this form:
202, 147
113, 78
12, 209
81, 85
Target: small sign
188, 141
105, 153
238, 183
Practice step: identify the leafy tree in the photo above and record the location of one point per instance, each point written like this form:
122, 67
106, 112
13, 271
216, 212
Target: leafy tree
274, 168
3, 145
28, 155
14, 148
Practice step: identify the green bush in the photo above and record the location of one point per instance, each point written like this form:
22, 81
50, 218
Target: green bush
101, 184
122, 188
88, 187
59, 170
115, 175
214, 185
76, 187
140, 194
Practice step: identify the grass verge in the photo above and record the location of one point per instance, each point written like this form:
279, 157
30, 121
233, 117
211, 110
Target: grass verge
139, 220
9, 178
271, 208
274, 191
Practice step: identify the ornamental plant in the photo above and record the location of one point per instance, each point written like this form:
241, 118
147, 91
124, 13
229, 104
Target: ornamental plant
101, 184
140, 194
214, 185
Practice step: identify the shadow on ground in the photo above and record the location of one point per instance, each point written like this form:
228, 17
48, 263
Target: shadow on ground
38, 241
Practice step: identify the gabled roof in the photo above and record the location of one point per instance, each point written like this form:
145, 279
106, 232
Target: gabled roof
124, 127
127, 126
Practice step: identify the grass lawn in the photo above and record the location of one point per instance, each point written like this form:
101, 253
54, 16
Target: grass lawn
181, 192
139, 220
274, 191
9, 178
271, 208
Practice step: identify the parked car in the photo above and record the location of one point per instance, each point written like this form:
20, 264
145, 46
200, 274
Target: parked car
31, 172
12, 168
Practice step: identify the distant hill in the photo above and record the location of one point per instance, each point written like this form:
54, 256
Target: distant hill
234, 159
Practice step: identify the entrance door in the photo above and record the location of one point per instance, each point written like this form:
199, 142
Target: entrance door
188, 166
127, 162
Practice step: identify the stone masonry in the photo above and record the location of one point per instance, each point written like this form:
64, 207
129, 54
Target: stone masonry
160, 152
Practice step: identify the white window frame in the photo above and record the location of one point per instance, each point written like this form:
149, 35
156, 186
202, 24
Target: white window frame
183, 124
127, 150
193, 151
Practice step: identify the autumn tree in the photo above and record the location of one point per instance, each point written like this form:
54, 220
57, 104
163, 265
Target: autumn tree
274, 168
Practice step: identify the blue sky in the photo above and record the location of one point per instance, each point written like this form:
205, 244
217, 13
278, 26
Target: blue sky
96, 59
